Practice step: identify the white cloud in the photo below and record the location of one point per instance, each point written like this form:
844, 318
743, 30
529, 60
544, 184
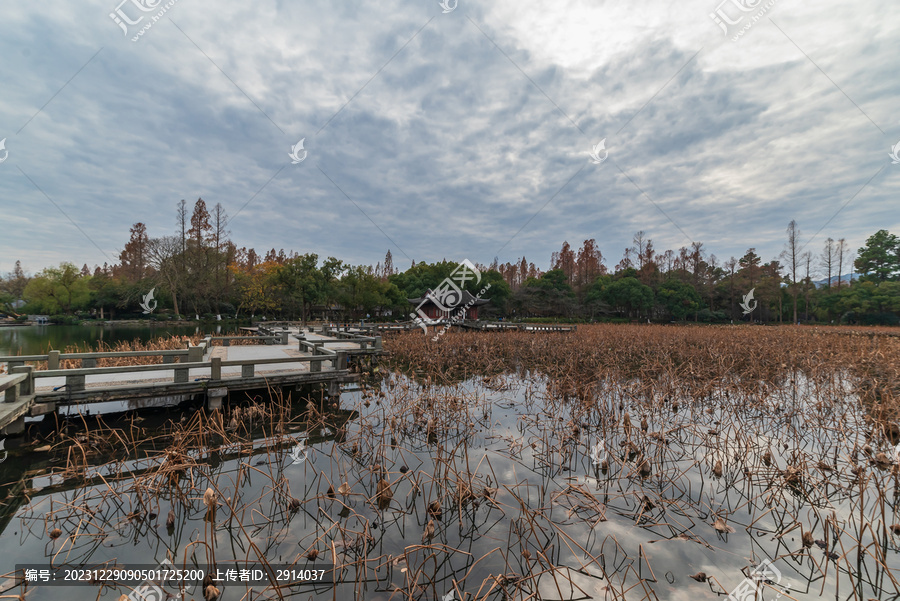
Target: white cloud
449, 146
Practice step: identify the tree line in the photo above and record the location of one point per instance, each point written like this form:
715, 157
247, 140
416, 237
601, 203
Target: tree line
200, 271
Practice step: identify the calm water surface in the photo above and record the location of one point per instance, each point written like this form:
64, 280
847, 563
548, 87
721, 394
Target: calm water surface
36, 340
527, 509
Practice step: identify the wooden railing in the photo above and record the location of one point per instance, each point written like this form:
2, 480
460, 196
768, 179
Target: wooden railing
344, 334
364, 342
181, 361
18, 384
75, 378
365, 327
280, 338
277, 324
22, 378
319, 352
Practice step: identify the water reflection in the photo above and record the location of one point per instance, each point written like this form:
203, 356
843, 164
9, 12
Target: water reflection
488, 488
35, 340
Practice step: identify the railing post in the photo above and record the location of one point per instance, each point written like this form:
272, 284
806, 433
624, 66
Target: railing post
182, 374
88, 363
248, 371
168, 359
215, 372
378, 345
214, 398
334, 389
53, 360
27, 385
284, 337
195, 354
75, 383
11, 394
340, 360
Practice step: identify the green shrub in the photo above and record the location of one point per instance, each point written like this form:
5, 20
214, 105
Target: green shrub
65, 320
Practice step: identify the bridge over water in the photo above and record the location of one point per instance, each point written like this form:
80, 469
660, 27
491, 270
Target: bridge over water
278, 356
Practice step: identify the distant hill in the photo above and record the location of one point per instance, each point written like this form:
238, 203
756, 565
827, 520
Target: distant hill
834, 279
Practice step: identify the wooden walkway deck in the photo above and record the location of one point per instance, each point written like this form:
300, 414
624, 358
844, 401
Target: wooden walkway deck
503, 326
279, 357
485, 326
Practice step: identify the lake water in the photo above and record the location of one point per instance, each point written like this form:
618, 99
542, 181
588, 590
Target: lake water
540, 497
37, 340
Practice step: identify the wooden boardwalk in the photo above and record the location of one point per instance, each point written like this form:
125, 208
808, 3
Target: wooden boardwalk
483, 326
503, 326
283, 356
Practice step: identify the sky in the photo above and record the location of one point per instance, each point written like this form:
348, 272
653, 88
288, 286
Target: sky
448, 131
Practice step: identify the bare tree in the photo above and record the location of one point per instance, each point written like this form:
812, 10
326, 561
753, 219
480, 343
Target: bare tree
163, 254
664, 261
182, 219
640, 248
643, 251
626, 262
791, 253
220, 221
220, 236
828, 259
808, 285
841, 251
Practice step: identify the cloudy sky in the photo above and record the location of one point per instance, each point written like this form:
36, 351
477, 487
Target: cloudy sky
458, 134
